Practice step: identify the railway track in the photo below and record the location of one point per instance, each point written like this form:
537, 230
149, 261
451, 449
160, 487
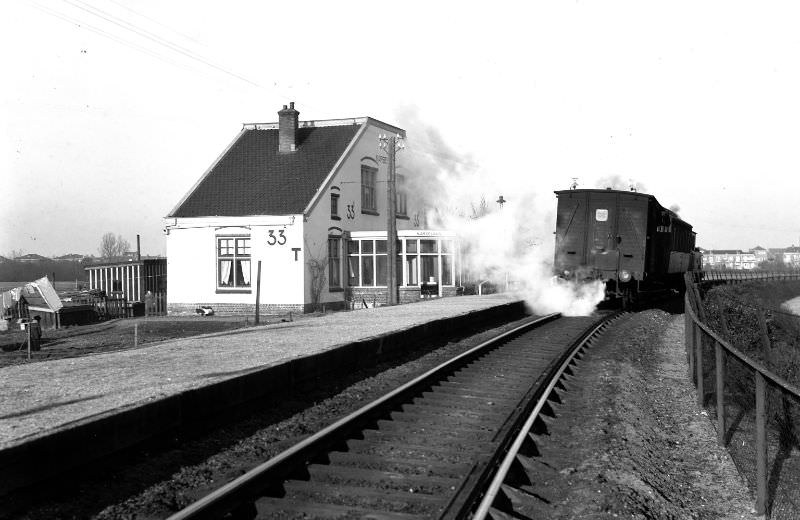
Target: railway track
428, 449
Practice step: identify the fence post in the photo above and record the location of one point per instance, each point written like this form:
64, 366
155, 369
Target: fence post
761, 445
720, 366
723, 320
258, 295
762, 324
692, 347
699, 367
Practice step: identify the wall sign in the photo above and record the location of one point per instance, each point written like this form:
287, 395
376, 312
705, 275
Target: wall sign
601, 215
278, 239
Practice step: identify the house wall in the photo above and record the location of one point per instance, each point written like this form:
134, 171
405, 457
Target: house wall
346, 182
192, 264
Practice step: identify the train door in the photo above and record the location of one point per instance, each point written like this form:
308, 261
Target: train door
571, 230
601, 233
632, 233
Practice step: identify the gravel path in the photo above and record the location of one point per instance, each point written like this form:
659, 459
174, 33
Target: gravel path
38, 397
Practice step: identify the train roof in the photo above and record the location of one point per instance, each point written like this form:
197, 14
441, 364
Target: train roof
629, 194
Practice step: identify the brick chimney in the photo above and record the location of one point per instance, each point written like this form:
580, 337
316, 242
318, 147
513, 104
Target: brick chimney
287, 128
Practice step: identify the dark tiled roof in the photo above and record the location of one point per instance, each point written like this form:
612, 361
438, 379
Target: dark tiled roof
253, 178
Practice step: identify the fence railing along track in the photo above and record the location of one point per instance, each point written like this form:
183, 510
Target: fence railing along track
701, 341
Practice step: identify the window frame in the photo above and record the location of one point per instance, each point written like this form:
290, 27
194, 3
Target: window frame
369, 191
238, 286
335, 206
335, 264
367, 261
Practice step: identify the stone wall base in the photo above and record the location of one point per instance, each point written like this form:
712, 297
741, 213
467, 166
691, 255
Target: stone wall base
237, 309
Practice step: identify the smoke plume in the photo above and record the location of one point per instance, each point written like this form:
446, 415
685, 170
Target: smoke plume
511, 244
615, 182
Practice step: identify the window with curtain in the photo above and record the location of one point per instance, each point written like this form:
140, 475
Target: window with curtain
233, 262
366, 263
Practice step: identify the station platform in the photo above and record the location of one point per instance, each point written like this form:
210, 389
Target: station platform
64, 413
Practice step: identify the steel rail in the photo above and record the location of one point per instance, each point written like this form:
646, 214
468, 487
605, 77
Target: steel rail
250, 485
484, 507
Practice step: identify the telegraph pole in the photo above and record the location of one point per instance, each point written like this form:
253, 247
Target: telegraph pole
391, 144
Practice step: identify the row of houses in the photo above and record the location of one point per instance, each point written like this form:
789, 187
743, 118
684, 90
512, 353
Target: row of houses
33, 258
751, 258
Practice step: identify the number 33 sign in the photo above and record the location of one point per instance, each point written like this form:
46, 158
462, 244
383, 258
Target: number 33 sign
273, 239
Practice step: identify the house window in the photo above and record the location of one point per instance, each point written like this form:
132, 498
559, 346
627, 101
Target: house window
366, 263
334, 263
447, 262
401, 206
429, 253
369, 201
233, 262
424, 258
335, 206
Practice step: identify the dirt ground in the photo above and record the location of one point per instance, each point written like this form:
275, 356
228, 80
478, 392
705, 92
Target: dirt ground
118, 334
631, 442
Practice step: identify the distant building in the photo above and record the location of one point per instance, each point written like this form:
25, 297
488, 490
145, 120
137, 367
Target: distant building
761, 254
791, 256
73, 257
31, 258
750, 259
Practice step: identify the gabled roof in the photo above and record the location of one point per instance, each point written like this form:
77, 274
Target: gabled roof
253, 178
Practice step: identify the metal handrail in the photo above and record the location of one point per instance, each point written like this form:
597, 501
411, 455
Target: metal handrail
696, 330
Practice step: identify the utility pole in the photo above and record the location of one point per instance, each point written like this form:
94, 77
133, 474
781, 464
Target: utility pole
391, 144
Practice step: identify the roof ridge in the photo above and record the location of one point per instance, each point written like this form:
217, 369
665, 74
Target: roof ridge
311, 123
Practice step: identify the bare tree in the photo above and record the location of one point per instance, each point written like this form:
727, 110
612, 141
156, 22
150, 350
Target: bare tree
481, 210
317, 267
111, 246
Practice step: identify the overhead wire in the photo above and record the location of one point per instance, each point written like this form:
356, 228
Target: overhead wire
154, 37
151, 36
101, 32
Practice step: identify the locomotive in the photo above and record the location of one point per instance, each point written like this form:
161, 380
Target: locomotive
624, 238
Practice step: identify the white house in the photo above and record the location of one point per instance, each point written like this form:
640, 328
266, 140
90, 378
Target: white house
307, 201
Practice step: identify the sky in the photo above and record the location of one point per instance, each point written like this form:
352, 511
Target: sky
110, 110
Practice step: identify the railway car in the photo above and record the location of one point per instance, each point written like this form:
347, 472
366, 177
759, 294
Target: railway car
624, 238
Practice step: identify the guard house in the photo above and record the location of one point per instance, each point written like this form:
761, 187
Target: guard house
307, 202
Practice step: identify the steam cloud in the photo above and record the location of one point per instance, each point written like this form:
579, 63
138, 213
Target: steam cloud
615, 182
511, 246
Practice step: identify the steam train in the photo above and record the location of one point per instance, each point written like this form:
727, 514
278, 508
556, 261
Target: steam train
624, 238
